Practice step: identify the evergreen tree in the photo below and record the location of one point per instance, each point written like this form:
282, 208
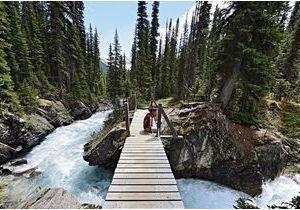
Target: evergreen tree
133, 76
9, 99
98, 81
143, 60
76, 82
173, 58
247, 63
290, 68
57, 46
153, 37
165, 68
32, 31
19, 60
182, 75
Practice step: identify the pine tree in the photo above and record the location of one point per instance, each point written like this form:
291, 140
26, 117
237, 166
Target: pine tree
57, 46
182, 75
19, 60
247, 55
76, 82
143, 60
9, 100
173, 58
98, 81
32, 31
111, 77
165, 69
117, 64
153, 37
290, 70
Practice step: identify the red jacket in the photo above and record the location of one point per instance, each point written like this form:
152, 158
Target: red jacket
148, 120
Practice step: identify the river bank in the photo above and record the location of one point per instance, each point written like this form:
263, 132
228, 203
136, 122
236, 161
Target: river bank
213, 148
59, 167
59, 163
19, 133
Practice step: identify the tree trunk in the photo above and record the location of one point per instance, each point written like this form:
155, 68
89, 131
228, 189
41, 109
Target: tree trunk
228, 85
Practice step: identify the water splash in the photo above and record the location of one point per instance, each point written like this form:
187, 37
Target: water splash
59, 158
197, 193
282, 189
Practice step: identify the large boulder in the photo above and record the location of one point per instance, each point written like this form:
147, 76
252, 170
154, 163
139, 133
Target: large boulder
6, 153
81, 111
216, 149
55, 112
105, 148
50, 199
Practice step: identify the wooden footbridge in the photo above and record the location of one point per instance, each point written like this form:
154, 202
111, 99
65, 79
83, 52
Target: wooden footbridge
143, 177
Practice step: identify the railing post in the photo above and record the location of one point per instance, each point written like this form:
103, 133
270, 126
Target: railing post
159, 120
126, 107
135, 102
174, 133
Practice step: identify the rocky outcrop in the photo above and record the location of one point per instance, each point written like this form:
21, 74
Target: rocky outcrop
50, 199
55, 112
105, 148
6, 152
216, 149
21, 133
81, 111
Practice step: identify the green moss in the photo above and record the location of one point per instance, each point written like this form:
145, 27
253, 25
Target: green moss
291, 124
293, 169
170, 102
245, 118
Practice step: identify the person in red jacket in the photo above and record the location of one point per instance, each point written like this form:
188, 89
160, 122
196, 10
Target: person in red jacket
148, 120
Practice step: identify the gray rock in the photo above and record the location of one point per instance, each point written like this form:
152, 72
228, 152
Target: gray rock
105, 148
210, 151
6, 152
18, 162
50, 199
37, 128
81, 111
55, 112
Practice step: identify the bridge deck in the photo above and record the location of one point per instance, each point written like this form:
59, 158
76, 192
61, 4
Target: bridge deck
143, 177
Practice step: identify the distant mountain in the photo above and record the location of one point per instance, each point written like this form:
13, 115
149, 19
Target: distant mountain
103, 65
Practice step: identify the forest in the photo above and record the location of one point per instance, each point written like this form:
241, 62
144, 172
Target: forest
236, 57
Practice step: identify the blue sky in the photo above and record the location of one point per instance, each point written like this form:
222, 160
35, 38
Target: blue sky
109, 15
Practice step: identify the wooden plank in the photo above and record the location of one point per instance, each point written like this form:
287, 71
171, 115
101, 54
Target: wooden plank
143, 188
143, 161
143, 204
124, 157
144, 145
150, 153
143, 170
143, 150
170, 136
142, 155
143, 175
143, 196
143, 181
143, 165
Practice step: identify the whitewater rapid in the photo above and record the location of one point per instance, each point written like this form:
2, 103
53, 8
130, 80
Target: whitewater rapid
59, 158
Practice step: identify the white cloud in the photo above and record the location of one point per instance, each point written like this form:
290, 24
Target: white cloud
187, 16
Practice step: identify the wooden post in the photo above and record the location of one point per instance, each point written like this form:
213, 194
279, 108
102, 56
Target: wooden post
174, 133
126, 107
135, 102
159, 120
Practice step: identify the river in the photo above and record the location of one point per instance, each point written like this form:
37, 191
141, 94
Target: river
59, 158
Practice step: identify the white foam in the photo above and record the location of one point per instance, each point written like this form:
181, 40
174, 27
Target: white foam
59, 157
